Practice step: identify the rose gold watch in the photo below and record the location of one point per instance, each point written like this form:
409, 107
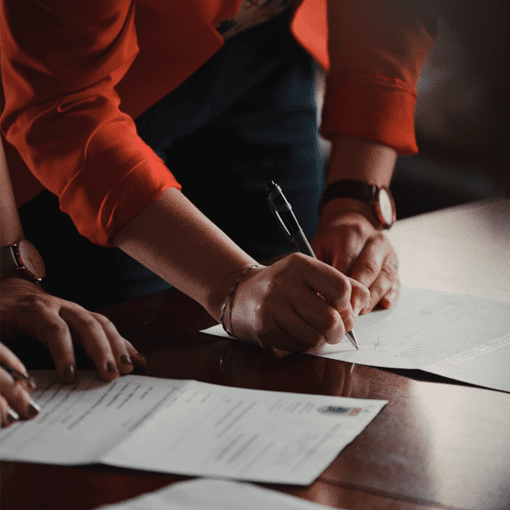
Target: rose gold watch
22, 257
379, 198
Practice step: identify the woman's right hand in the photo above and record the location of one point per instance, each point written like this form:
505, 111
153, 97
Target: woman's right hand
15, 401
27, 308
296, 304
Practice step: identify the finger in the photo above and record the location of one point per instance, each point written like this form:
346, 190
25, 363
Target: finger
278, 326
371, 259
353, 242
8, 358
118, 344
324, 279
137, 358
17, 398
383, 283
391, 297
7, 415
291, 333
92, 336
57, 337
360, 297
320, 315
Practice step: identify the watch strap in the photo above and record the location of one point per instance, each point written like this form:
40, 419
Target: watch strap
380, 199
349, 188
8, 261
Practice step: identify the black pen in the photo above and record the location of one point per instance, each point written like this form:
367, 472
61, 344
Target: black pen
284, 215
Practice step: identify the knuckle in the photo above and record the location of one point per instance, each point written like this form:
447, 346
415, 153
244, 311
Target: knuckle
371, 267
379, 238
316, 341
331, 320
86, 322
55, 328
358, 230
17, 395
295, 262
343, 286
35, 304
389, 271
105, 322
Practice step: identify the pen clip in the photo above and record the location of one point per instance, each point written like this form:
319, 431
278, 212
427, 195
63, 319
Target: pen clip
283, 207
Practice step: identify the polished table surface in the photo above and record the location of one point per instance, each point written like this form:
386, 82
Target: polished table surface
438, 444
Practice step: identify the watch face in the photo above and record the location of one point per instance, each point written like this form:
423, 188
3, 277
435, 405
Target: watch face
386, 207
31, 260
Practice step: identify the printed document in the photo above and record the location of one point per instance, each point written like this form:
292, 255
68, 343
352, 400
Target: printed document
186, 427
458, 336
214, 495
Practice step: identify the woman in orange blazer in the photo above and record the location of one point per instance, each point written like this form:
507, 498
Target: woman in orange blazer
80, 78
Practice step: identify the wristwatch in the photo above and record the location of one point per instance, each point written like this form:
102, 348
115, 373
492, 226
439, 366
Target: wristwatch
24, 257
379, 198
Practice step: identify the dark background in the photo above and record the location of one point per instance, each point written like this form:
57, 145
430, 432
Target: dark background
461, 113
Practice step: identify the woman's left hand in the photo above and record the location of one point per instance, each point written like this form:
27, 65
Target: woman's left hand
349, 242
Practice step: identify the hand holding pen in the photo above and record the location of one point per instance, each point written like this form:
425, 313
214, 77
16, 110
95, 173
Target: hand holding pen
15, 385
282, 211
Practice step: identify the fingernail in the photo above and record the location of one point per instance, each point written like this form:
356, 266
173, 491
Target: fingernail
33, 408
69, 374
31, 382
125, 359
111, 367
12, 416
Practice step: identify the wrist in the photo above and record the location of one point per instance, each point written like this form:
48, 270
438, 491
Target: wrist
226, 308
220, 290
375, 203
346, 206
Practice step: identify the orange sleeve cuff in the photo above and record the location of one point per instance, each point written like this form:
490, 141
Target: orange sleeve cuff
101, 201
372, 107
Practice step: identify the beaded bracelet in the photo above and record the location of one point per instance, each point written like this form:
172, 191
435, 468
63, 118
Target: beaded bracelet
231, 293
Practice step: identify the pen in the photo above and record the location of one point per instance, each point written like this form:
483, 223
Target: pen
18, 376
284, 215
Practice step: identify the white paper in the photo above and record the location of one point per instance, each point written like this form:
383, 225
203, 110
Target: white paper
187, 427
458, 336
214, 495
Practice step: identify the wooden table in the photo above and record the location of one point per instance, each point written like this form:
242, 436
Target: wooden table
438, 444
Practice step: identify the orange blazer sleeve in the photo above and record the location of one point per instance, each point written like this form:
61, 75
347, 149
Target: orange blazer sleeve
374, 51
59, 68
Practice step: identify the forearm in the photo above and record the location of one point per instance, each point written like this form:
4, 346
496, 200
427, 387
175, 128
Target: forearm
176, 241
10, 225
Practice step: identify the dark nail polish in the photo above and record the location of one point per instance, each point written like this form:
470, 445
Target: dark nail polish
111, 367
12, 416
125, 359
33, 408
69, 374
32, 384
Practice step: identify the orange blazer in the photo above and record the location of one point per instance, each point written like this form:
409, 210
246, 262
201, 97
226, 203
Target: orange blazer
76, 74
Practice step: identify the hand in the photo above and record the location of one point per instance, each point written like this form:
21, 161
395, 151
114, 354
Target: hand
296, 304
15, 401
28, 309
350, 243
